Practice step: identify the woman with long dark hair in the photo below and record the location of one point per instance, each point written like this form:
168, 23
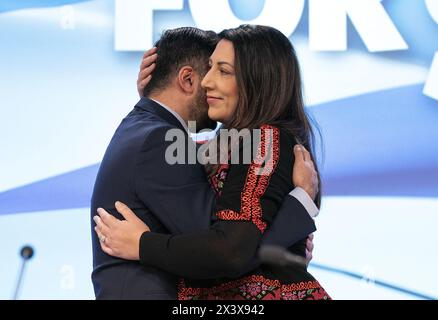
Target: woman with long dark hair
253, 84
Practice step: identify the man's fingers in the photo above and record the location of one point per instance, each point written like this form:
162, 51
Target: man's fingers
309, 245
298, 151
124, 210
309, 256
302, 154
306, 155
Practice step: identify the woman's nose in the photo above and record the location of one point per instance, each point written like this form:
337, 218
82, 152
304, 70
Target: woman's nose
206, 82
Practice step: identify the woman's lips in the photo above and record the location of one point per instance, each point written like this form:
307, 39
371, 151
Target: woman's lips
213, 100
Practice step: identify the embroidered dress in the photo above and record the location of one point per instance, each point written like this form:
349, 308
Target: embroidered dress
248, 198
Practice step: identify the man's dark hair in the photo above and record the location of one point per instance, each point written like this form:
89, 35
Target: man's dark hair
178, 48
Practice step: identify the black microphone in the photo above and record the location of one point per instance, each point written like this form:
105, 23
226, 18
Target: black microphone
26, 253
279, 256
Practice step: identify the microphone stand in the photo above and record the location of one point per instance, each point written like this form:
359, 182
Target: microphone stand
26, 254
279, 256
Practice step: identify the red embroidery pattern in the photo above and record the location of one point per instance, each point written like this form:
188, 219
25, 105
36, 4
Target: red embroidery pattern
255, 287
257, 180
217, 181
265, 172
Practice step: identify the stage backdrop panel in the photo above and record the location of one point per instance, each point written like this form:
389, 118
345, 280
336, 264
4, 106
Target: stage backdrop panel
68, 74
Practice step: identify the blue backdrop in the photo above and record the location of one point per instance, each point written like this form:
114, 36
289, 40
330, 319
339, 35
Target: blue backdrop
64, 89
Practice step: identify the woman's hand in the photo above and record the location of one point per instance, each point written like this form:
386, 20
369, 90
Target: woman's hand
146, 68
120, 238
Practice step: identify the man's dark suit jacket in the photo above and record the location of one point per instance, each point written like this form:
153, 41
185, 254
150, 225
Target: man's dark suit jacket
172, 199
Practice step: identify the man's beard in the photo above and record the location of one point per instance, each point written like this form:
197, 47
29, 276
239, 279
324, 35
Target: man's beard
199, 113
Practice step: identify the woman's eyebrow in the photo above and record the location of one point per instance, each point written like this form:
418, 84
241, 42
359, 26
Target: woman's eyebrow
210, 62
224, 62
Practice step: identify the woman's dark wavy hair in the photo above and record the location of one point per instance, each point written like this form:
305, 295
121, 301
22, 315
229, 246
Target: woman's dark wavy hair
269, 84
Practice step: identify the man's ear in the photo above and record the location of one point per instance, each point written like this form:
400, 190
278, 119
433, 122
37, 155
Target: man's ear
186, 79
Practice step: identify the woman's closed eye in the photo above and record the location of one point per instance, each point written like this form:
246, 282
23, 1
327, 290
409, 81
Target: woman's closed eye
224, 72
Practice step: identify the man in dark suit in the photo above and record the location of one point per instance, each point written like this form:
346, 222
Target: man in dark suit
175, 199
